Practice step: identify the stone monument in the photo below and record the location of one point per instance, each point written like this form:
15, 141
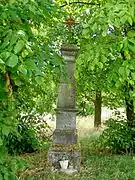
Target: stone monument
65, 145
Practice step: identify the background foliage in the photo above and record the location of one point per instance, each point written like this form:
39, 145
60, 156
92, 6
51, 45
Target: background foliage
31, 33
117, 136
27, 61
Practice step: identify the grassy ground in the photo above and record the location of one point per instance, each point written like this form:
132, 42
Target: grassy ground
95, 165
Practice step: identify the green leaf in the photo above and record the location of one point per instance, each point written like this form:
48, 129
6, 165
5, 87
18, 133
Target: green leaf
11, 1
5, 129
1, 142
131, 41
22, 69
2, 67
7, 39
5, 55
1, 61
29, 73
131, 33
39, 80
130, 20
30, 64
17, 82
6, 177
13, 39
118, 84
125, 43
104, 33
12, 61
14, 165
133, 76
100, 65
25, 53
1, 177
86, 31
94, 27
67, 2
121, 71
132, 48
131, 11
19, 46
12, 176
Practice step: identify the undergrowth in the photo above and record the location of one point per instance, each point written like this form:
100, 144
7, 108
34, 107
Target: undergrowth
97, 164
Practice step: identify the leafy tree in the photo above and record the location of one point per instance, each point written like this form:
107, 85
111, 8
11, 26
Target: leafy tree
94, 60
27, 57
109, 29
114, 21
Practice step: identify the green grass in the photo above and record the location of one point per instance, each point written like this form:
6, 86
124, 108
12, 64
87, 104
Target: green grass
95, 165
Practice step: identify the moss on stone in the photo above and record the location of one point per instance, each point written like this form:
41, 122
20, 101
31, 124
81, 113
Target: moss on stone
68, 131
61, 147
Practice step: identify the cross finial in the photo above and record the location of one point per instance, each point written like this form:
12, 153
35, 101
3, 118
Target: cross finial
70, 21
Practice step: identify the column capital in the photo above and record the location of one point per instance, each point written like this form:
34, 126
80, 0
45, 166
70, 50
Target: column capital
69, 50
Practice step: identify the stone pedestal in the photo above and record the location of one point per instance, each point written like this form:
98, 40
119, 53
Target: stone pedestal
65, 145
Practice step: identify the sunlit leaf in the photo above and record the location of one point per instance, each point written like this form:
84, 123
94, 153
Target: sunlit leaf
22, 69
39, 79
1, 61
131, 33
19, 46
12, 61
30, 64
68, 1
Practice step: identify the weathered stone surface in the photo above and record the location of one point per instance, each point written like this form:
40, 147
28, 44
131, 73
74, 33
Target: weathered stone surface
69, 50
69, 171
72, 156
65, 120
66, 96
65, 136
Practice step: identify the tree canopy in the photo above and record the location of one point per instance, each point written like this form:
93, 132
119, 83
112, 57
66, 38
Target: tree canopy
31, 33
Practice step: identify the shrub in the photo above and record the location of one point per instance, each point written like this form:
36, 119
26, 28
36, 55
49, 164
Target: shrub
118, 136
90, 144
28, 137
25, 141
11, 167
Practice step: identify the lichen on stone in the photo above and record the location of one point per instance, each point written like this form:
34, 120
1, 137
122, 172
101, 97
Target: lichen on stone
63, 147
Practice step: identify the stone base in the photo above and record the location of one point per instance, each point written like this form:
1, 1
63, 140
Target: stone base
69, 171
64, 153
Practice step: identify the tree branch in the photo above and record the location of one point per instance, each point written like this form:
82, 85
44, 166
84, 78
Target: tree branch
82, 3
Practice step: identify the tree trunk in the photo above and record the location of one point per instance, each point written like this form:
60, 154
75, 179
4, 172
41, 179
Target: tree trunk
129, 106
98, 101
130, 111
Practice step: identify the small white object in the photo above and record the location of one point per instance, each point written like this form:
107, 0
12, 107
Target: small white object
64, 164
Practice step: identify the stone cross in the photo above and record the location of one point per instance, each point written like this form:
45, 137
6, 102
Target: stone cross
65, 145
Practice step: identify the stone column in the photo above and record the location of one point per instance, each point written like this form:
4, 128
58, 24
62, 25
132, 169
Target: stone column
65, 145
